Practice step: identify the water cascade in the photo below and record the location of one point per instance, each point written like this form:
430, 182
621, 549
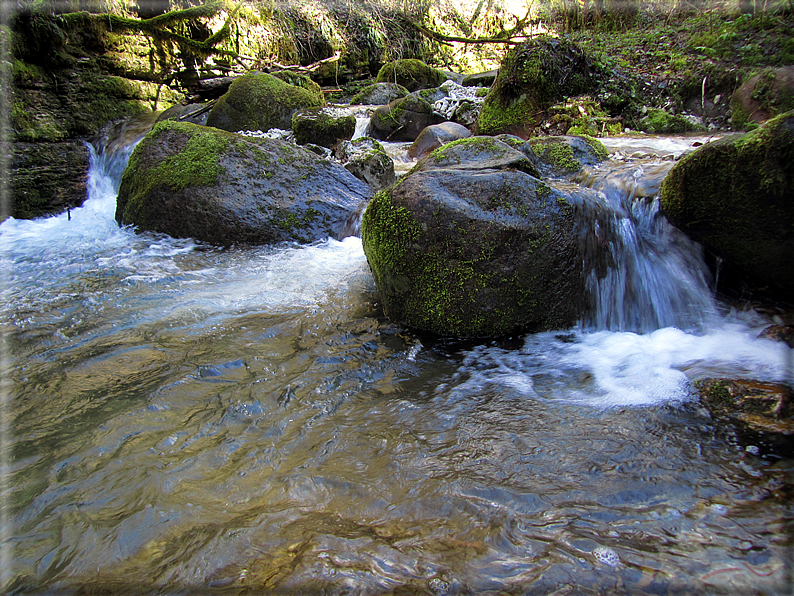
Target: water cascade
186, 418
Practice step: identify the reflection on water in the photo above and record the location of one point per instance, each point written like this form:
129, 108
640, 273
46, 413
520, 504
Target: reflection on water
189, 420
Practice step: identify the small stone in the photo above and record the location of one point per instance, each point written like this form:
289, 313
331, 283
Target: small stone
607, 556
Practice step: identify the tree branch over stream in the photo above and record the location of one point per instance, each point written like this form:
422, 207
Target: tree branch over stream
157, 26
512, 37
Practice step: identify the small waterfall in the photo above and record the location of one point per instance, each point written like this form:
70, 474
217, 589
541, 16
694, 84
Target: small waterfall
642, 273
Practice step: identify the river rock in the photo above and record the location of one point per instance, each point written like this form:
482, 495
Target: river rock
763, 406
379, 94
402, 119
467, 251
478, 153
532, 77
734, 196
480, 79
564, 155
366, 159
763, 96
260, 101
411, 73
191, 181
435, 136
325, 126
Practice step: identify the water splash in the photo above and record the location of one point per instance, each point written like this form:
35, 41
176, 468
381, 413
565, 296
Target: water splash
642, 273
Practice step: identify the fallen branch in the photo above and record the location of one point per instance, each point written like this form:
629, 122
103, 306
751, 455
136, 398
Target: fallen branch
436, 36
305, 69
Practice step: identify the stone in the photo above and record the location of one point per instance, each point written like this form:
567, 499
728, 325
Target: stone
366, 159
733, 196
466, 251
223, 188
435, 136
379, 94
411, 73
260, 101
480, 79
325, 126
533, 75
402, 119
763, 96
565, 155
478, 153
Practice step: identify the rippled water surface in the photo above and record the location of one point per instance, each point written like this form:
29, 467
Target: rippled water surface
185, 419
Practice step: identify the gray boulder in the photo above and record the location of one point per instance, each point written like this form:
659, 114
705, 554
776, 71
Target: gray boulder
192, 181
366, 159
402, 119
325, 126
734, 196
565, 155
435, 136
467, 251
379, 94
259, 101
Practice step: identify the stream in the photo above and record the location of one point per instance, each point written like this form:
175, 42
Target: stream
186, 419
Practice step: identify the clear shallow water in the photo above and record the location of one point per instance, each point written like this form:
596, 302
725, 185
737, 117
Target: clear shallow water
188, 419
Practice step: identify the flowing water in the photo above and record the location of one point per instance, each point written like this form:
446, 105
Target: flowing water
186, 419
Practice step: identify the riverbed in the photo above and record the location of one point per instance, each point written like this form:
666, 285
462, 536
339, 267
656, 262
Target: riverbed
181, 419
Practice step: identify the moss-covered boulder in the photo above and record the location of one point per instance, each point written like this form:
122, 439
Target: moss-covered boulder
463, 251
402, 119
411, 73
532, 77
379, 94
763, 96
565, 155
658, 121
259, 101
366, 159
323, 126
187, 180
478, 153
734, 196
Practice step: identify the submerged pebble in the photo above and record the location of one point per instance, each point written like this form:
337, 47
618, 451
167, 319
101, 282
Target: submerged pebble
607, 556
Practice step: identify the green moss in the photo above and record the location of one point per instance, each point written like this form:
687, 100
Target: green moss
558, 154
411, 73
198, 164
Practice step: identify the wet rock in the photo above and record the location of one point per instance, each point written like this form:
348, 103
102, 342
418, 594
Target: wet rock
657, 121
191, 181
402, 119
48, 178
379, 94
323, 126
733, 196
259, 101
464, 250
435, 136
763, 96
195, 113
480, 79
564, 155
782, 333
411, 73
478, 153
366, 159
763, 406
532, 77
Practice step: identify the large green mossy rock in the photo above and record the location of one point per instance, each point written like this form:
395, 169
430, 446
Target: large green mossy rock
194, 181
763, 96
411, 73
259, 101
565, 155
736, 197
463, 250
532, 77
